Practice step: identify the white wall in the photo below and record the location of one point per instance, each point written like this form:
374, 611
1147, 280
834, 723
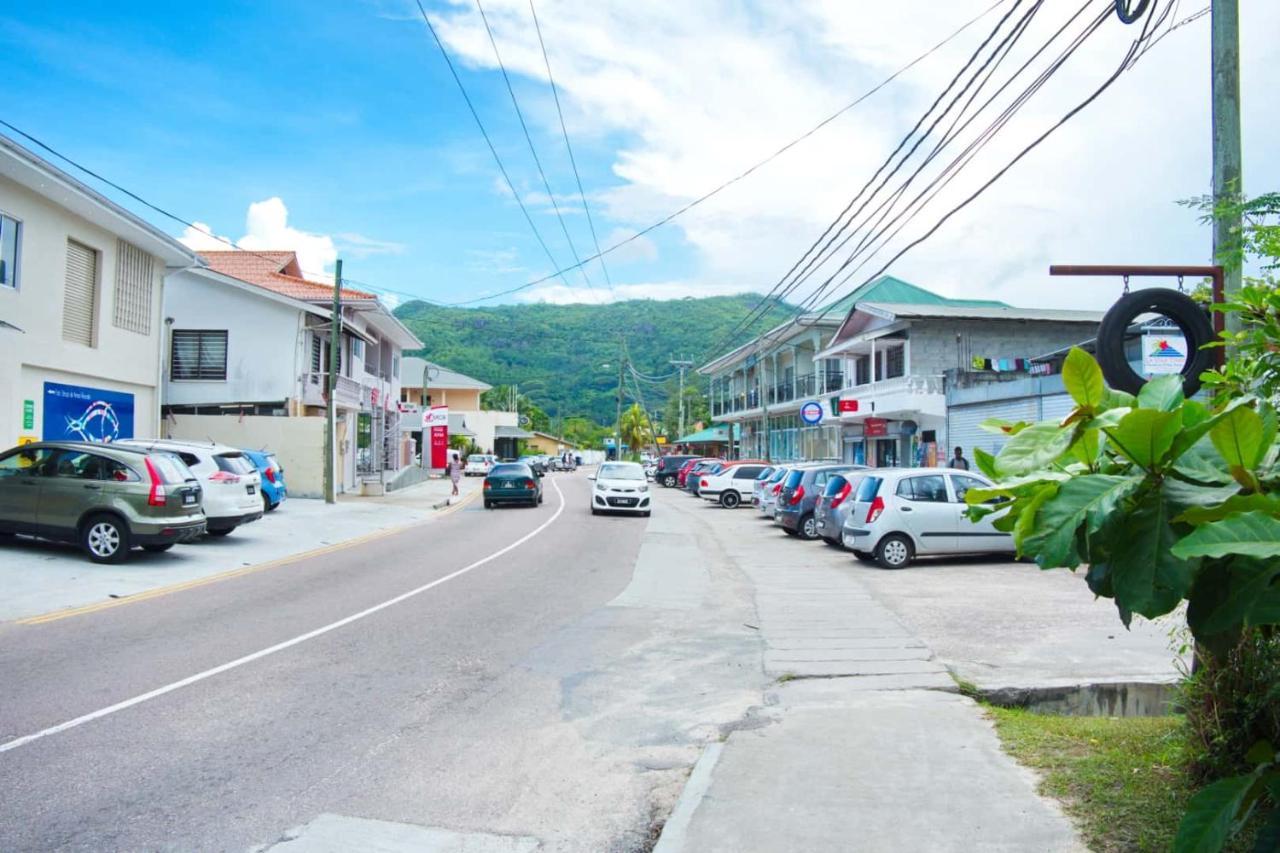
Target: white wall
297, 442
483, 424
121, 360
265, 342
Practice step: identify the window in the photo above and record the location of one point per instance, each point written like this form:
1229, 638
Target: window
862, 370
395, 367
930, 489
10, 237
869, 488
895, 362
962, 483
317, 349
80, 295
747, 472
135, 272
24, 463
199, 355
357, 348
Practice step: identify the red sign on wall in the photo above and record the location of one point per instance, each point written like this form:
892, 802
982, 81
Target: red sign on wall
436, 422
873, 427
846, 407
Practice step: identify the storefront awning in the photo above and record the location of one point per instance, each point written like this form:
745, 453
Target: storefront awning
710, 435
510, 432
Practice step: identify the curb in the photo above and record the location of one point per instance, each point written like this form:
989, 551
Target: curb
675, 830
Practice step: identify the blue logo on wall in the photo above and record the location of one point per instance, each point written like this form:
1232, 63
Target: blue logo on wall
74, 413
811, 412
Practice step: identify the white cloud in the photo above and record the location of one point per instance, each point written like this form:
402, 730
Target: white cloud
698, 92
354, 245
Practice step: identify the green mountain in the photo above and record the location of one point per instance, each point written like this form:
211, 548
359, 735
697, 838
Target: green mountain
556, 353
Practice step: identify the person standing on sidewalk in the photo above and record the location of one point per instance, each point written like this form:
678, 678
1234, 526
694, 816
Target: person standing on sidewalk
455, 471
958, 461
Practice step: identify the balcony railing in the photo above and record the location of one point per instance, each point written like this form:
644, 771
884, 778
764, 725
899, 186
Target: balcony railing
346, 392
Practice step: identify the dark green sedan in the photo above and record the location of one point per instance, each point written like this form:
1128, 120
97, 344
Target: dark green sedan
512, 483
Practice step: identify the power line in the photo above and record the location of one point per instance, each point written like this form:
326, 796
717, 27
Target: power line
489, 142
551, 196
759, 164
555, 94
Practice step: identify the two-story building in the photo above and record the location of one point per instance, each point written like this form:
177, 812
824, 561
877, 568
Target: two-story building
863, 380
248, 364
425, 384
81, 328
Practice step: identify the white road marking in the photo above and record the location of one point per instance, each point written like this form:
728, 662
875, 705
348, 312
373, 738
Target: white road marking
279, 647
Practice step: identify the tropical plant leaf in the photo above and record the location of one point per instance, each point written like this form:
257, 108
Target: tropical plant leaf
1236, 503
986, 463
1003, 427
1117, 399
1200, 464
1183, 496
1163, 393
1146, 576
1238, 437
1248, 585
1268, 838
1086, 500
1144, 436
1248, 534
1034, 447
1197, 422
1083, 379
1206, 826
1108, 419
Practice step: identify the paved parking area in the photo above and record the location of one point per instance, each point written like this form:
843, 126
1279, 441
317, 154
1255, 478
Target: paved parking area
43, 577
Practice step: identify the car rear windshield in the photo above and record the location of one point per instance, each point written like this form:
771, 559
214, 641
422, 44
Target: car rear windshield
510, 471
170, 468
477, 457
834, 485
765, 474
621, 472
233, 463
867, 491
778, 475
794, 479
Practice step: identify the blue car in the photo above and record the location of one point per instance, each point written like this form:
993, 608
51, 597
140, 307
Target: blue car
273, 488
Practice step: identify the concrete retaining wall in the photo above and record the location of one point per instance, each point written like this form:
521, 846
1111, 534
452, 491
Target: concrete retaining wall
297, 442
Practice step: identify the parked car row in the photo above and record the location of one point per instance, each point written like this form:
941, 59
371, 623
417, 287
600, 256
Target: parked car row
886, 515
148, 493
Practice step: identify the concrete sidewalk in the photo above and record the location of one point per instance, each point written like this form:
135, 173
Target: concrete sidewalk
41, 577
862, 743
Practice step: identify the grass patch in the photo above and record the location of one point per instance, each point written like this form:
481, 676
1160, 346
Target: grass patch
1123, 780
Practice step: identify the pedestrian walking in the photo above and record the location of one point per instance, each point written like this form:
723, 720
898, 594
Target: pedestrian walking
455, 471
958, 461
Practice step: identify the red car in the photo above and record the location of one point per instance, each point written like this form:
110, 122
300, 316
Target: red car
688, 466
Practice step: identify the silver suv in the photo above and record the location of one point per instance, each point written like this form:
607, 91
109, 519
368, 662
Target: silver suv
900, 513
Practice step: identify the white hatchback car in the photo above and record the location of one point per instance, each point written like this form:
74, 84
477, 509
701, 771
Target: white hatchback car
232, 485
732, 486
900, 513
620, 487
479, 464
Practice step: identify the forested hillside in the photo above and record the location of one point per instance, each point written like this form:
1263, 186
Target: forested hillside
556, 353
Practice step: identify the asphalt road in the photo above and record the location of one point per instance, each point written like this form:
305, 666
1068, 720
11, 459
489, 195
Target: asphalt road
474, 697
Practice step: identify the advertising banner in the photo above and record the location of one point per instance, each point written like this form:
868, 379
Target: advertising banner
76, 413
435, 430
875, 427
1163, 353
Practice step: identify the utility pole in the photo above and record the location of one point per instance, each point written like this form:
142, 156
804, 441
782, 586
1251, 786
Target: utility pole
331, 384
682, 365
1227, 171
617, 439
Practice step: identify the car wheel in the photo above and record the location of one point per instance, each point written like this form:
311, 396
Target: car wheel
669, 481
539, 499
894, 552
730, 500
105, 538
808, 528
488, 504
225, 531
266, 503
159, 548
790, 532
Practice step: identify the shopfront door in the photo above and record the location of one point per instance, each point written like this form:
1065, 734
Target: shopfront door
886, 453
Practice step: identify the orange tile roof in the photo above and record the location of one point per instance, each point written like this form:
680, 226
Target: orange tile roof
275, 271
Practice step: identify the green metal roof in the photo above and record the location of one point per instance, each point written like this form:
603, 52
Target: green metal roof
886, 288
718, 432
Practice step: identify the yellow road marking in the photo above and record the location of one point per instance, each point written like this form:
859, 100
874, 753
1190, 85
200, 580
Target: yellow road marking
244, 570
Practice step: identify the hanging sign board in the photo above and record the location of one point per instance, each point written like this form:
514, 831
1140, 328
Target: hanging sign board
1162, 352
435, 428
873, 427
811, 412
848, 407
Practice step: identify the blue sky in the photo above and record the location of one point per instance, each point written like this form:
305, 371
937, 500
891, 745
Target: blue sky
346, 113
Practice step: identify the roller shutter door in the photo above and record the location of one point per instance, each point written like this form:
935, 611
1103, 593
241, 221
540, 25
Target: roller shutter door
962, 423
80, 296
1056, 407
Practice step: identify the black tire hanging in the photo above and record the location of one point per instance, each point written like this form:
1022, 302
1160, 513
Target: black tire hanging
1180, 308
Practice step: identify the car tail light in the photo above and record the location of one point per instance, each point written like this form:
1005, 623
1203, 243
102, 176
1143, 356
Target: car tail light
777, 490
877, 507
488, 485
703, 484
224, 477
529, 484
157, 496
838, 497
797, 495
271, 474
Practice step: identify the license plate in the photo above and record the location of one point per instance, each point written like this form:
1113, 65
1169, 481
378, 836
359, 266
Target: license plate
508, 484
249, 488
188, 499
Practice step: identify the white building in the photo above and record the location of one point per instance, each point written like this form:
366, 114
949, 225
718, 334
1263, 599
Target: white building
248, 361
81, 330
461, 393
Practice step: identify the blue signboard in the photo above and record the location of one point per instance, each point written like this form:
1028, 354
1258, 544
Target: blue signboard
75, 413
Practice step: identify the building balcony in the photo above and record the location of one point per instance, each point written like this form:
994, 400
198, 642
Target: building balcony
900, 397
347, 392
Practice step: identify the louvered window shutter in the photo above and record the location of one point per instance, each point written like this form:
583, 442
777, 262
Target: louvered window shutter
80, 296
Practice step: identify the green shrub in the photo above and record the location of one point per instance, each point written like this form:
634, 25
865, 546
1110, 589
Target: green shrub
1232, 704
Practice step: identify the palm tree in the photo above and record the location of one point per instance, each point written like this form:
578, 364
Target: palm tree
635, 428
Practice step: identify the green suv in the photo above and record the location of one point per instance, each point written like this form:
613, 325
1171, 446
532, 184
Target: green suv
106, 497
